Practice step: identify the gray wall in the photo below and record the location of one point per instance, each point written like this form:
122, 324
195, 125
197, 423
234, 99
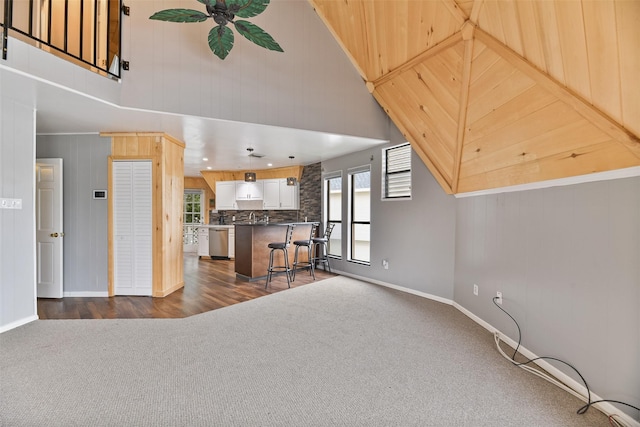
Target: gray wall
17, 227
567, 260
416, 236
85, 219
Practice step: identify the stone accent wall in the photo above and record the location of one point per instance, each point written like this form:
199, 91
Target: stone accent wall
310, 202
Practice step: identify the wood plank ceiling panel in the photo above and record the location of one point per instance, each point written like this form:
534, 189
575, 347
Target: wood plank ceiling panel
602, 53
382, 35
552, 85
594, 158
627, 18
397, 94
429, 95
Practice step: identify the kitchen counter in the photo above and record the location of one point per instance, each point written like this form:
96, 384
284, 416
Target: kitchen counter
252, 252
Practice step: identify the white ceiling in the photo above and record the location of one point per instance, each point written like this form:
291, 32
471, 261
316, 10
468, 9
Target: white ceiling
64, 111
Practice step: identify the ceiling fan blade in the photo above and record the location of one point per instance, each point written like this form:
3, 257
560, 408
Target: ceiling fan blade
247, 8
221, 41
257, 35
180, 15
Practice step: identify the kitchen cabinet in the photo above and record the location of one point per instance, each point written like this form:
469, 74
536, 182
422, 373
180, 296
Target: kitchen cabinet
203, 241
289, 195
232, 242
249, 190
226, 195
271, 199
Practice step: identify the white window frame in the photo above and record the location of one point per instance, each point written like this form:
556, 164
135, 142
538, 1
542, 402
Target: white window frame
386, 174
337, 230
350, 214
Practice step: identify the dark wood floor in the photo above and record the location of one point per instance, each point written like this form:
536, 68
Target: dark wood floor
209, 284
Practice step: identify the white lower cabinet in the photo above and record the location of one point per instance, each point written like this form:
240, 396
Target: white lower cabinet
232, 242
203, 241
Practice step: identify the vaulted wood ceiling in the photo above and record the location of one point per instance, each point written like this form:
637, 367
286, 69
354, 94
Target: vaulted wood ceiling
499, 93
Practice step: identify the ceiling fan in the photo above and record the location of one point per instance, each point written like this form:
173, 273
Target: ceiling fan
223, 12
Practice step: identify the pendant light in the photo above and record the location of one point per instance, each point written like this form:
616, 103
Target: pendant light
291, 180
250, 176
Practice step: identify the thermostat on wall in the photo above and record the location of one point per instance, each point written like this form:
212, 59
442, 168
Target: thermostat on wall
99, 194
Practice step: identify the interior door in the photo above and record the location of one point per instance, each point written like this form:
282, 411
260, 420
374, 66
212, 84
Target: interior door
49, 228
132, 227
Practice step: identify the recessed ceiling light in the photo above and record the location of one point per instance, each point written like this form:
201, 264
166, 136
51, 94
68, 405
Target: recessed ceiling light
269, 164
209, 167
205, 159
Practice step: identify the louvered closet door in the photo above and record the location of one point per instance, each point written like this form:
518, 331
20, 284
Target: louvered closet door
132, 228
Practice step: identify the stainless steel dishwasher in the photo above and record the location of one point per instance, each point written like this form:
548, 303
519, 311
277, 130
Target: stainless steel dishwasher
219, 243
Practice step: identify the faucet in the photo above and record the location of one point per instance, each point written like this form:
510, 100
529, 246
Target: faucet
252, 214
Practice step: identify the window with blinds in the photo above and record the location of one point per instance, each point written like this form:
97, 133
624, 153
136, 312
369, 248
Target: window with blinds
396, 172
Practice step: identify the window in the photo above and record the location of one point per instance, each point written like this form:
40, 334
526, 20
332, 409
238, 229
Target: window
192, 217
333, 211
192, 207
396, 172
360, 214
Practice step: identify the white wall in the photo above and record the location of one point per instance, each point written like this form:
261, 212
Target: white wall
416, 236
567, 260
311, 85
17, 227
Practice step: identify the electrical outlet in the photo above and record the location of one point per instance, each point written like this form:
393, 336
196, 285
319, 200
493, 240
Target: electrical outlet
385, 264
499, 297
475, 289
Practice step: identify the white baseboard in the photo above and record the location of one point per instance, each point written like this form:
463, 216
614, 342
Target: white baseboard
392, 286
607, 408
86, 294
17, 323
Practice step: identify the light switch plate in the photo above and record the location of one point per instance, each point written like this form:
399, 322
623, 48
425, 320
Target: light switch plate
10, 203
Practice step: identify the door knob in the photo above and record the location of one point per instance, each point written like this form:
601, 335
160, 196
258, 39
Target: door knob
54, 234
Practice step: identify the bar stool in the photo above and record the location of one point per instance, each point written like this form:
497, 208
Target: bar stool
321, 243
309, 245
281, 246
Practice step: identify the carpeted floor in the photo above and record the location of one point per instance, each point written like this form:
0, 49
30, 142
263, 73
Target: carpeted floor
337, 352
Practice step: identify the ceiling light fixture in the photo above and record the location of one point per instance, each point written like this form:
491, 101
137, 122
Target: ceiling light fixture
250, 176
291, 180
221, 36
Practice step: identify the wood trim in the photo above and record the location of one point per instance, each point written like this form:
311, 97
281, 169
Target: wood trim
457, 13
423, 156
566, 95
475, 11
163, 293
338, 39
462, 116
442, 46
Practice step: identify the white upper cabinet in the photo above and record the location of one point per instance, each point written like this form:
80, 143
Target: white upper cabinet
271, 198
289, 195
273, 193
249, 190
226, 195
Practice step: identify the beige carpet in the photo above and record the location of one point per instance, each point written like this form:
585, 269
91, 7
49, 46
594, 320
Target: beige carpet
337, 352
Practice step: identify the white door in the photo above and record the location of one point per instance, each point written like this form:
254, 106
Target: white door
49, 231
132, 228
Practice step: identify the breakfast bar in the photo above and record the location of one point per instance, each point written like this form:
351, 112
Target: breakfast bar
252, 252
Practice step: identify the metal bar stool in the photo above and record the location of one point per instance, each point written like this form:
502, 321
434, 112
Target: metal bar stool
309, 245
321, 243
281, 246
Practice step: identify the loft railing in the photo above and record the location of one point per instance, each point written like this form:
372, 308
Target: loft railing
86, 32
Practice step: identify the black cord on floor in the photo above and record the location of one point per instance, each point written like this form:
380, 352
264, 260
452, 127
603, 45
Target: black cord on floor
584, 408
